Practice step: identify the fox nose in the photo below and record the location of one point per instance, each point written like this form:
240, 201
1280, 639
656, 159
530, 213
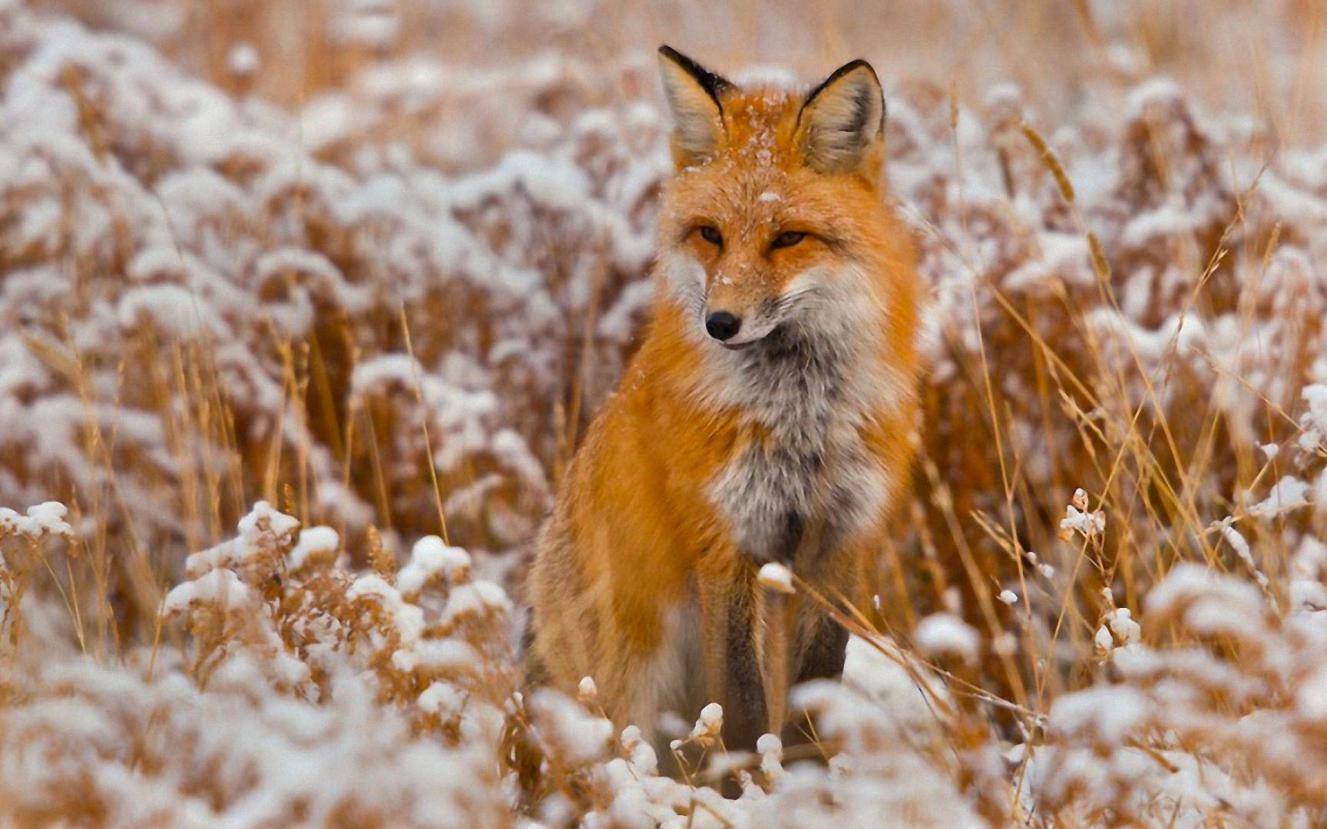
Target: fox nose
722, 325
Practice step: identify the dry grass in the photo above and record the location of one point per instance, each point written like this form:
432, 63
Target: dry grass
381, 281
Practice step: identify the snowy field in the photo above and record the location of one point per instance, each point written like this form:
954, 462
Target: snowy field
303, 306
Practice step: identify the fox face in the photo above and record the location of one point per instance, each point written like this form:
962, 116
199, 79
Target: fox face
774, 214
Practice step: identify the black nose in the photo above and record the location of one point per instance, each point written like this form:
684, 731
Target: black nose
722, 325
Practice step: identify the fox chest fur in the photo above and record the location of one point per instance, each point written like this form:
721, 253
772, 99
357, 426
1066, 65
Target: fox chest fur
809, 463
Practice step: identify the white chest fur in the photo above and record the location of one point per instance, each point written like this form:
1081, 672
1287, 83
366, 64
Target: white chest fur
813, 396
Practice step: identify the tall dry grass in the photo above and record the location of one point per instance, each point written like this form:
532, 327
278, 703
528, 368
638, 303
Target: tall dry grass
373, 265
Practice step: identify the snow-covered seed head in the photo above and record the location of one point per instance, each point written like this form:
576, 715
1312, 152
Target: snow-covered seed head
1079, 519
777, 577
770, 749
1080, 498
709, 725
639, 752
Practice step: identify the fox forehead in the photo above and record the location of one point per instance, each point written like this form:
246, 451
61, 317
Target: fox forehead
747, 205
759, 125
757, 178
751, 202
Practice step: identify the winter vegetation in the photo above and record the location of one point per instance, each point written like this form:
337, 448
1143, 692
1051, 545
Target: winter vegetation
303, 307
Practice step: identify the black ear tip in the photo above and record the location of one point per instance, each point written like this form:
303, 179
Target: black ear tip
666, 51
846, 69
712, 84
854, 65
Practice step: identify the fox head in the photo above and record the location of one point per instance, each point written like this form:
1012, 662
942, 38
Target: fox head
774, 218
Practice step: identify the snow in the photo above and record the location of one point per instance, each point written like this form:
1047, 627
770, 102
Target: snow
708, 724
442, 699
1289, 493
1315, 395
1311, 698
431, 557
894, 681
437, 656
263, 522
475, 599
944, 634
218, 587
44, 519
315, 543
174, 310
1118, 630
408, 620
577, 737
587, 690
1210, 603
1240, 545
1109, 714
776, 577
242, 60
264, 535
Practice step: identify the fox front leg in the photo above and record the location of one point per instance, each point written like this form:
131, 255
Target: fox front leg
732, 672
776, 622
749, 635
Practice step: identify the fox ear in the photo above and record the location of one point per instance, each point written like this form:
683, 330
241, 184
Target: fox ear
693, 96
842, 120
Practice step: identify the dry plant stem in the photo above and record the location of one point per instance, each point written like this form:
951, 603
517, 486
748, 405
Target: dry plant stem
424, 426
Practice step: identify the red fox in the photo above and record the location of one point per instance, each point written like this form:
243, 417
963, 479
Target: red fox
768, 415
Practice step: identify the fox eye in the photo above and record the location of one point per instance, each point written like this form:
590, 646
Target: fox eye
787, 239
711, 234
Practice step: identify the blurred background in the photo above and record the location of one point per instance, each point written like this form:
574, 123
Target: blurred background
1261, 59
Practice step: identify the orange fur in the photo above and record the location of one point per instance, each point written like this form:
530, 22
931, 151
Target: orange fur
636, 551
